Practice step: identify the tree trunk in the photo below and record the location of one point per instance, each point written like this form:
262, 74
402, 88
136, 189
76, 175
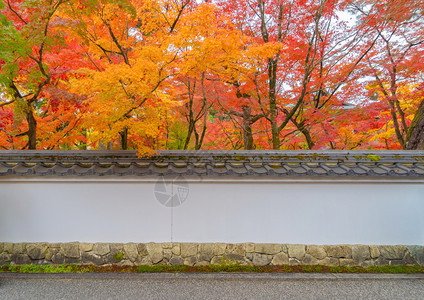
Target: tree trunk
190, 117
247, 136
189, 133
124, 138
32, 129
199, 140
272, 77
308, 137
305, 131
415, 137
105, 146
247, 128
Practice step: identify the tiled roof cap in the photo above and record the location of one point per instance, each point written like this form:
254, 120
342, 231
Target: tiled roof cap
213, 163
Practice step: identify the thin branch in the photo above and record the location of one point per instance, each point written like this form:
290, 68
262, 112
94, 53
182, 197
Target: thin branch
178, 16
7, 103
15, 12
14, 135
66, 133
89, 57
115, 40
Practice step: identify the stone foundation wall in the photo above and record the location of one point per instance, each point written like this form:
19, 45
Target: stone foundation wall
194, 254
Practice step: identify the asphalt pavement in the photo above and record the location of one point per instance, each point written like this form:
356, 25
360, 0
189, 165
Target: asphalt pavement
211, 286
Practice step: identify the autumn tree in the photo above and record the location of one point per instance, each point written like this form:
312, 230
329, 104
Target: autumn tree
240, 74
395, 62
27, 42
316, 55
137, 52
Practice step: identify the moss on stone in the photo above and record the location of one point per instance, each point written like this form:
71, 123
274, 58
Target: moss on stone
118, 256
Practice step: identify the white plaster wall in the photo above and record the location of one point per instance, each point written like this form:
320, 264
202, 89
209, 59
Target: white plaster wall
123, 210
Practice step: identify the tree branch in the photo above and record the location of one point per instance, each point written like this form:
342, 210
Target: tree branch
7, 103
15, 12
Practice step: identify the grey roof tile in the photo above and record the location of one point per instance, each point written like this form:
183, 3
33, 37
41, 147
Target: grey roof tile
380, 169
216, 169
418, 169
314, 169
400, 169
276, 169
62, 170
236, 169
256, 169
199, 170
160, 169
295, 169
178, 169
101, 170
22, 169
335, 169
361, 169
120, 169
213, 163
42, 169
5, 169
82, 169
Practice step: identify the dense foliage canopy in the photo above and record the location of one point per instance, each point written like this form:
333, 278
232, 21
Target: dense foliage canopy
222, 74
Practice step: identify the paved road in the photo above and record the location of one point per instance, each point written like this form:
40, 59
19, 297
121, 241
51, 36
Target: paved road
211, 286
